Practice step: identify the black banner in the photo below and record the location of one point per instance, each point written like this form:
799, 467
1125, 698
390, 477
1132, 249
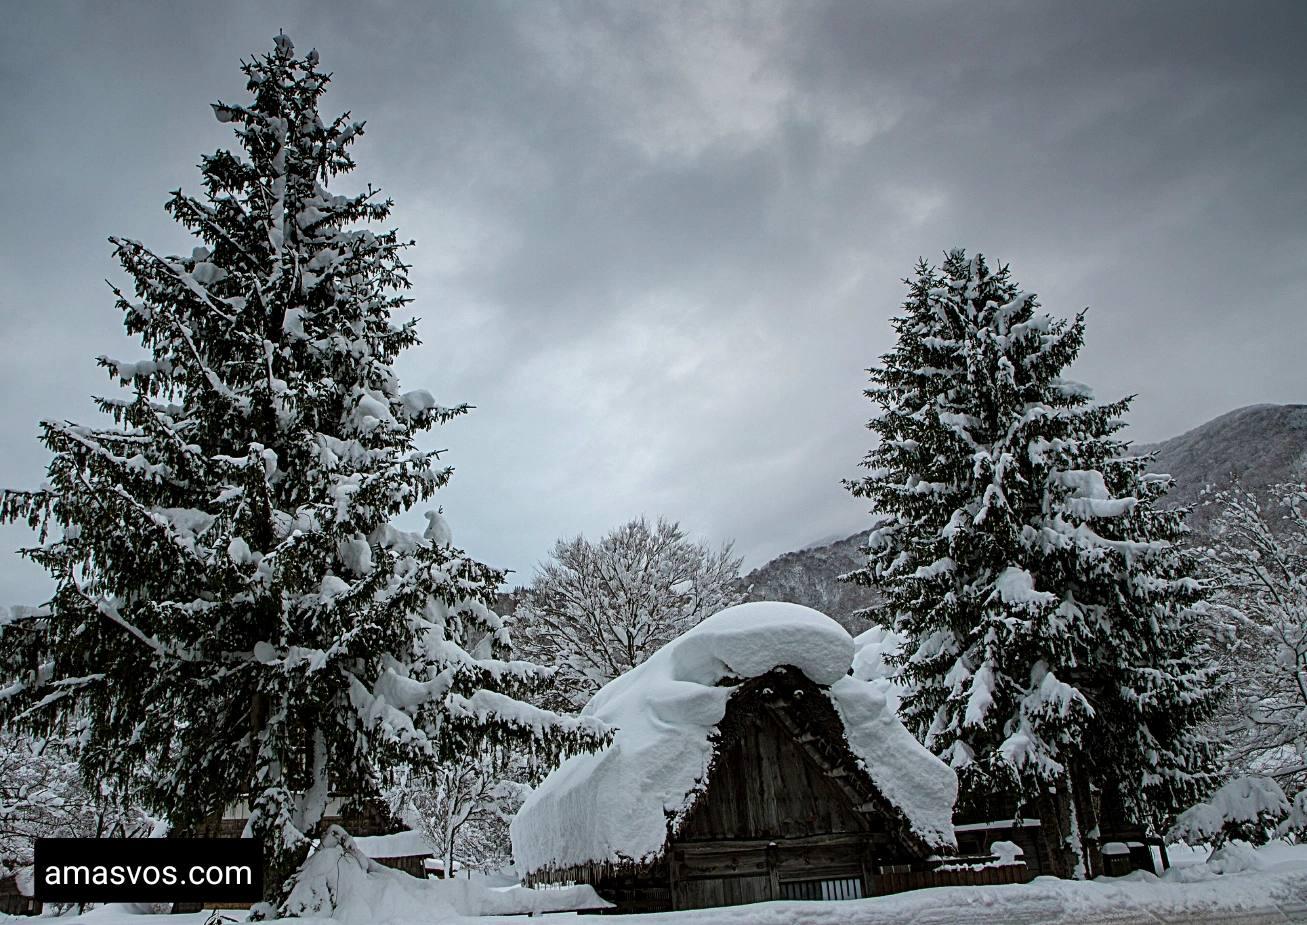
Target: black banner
105, 870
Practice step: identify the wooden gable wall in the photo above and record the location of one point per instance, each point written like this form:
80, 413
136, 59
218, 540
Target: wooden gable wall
763, 785
786, 812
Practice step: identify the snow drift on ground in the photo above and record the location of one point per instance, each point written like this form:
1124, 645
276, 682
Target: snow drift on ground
618, 803
341, 883
1269, 886
1272, 890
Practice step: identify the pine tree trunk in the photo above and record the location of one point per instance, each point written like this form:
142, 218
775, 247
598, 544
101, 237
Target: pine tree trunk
313, 804
1087, 803
1057, 822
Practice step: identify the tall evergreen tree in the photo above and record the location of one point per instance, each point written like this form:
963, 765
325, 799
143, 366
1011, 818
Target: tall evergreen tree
1051, 655
234, 611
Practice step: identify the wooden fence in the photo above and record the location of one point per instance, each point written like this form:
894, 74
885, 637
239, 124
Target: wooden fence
919, 879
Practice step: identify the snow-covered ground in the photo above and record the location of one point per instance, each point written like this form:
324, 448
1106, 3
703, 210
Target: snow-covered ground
1238, 887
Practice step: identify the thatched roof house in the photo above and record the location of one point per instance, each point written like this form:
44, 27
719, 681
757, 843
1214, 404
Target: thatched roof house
747, 764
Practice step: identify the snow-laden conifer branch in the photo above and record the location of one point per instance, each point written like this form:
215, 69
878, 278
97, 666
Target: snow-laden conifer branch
235, 618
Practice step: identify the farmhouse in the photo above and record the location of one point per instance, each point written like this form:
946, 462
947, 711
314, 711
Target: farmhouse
747, 765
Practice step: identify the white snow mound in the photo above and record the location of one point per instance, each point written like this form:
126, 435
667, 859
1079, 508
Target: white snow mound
396, 845
620, 803
340, 882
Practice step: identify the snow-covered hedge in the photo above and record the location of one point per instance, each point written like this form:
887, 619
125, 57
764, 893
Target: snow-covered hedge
1251, 809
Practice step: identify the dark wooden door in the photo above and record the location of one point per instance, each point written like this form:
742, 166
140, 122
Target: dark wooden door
708, 874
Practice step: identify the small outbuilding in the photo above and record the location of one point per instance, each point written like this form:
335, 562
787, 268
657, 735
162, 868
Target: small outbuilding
435, 867
16, 893
406, 850
747, 764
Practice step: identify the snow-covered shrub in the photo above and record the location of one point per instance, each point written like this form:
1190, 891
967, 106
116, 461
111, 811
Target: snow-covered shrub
1294, 825
1249, 809
340, 882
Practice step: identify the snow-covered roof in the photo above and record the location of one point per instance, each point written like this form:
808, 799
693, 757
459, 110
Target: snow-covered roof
23, 879
396, 845
439, 864
871, 649
617, 804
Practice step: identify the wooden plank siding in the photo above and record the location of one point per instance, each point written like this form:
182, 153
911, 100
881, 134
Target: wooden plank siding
763, 785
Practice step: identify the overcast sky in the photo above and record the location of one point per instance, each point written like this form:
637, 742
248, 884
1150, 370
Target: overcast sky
658, 243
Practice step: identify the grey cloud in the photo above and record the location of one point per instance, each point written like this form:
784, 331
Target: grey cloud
659, 243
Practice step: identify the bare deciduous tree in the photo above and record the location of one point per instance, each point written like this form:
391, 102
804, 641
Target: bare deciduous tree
42, 795
1259, 565
599, 609
463, 808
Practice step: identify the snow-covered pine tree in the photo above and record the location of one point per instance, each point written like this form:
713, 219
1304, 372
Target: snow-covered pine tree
234, 609
1049, 649
1248, 808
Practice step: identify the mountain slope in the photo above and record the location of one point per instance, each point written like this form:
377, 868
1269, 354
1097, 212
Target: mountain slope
809, 577
1261, 444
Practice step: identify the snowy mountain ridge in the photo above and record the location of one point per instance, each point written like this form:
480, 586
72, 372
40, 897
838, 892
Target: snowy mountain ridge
1261, 444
